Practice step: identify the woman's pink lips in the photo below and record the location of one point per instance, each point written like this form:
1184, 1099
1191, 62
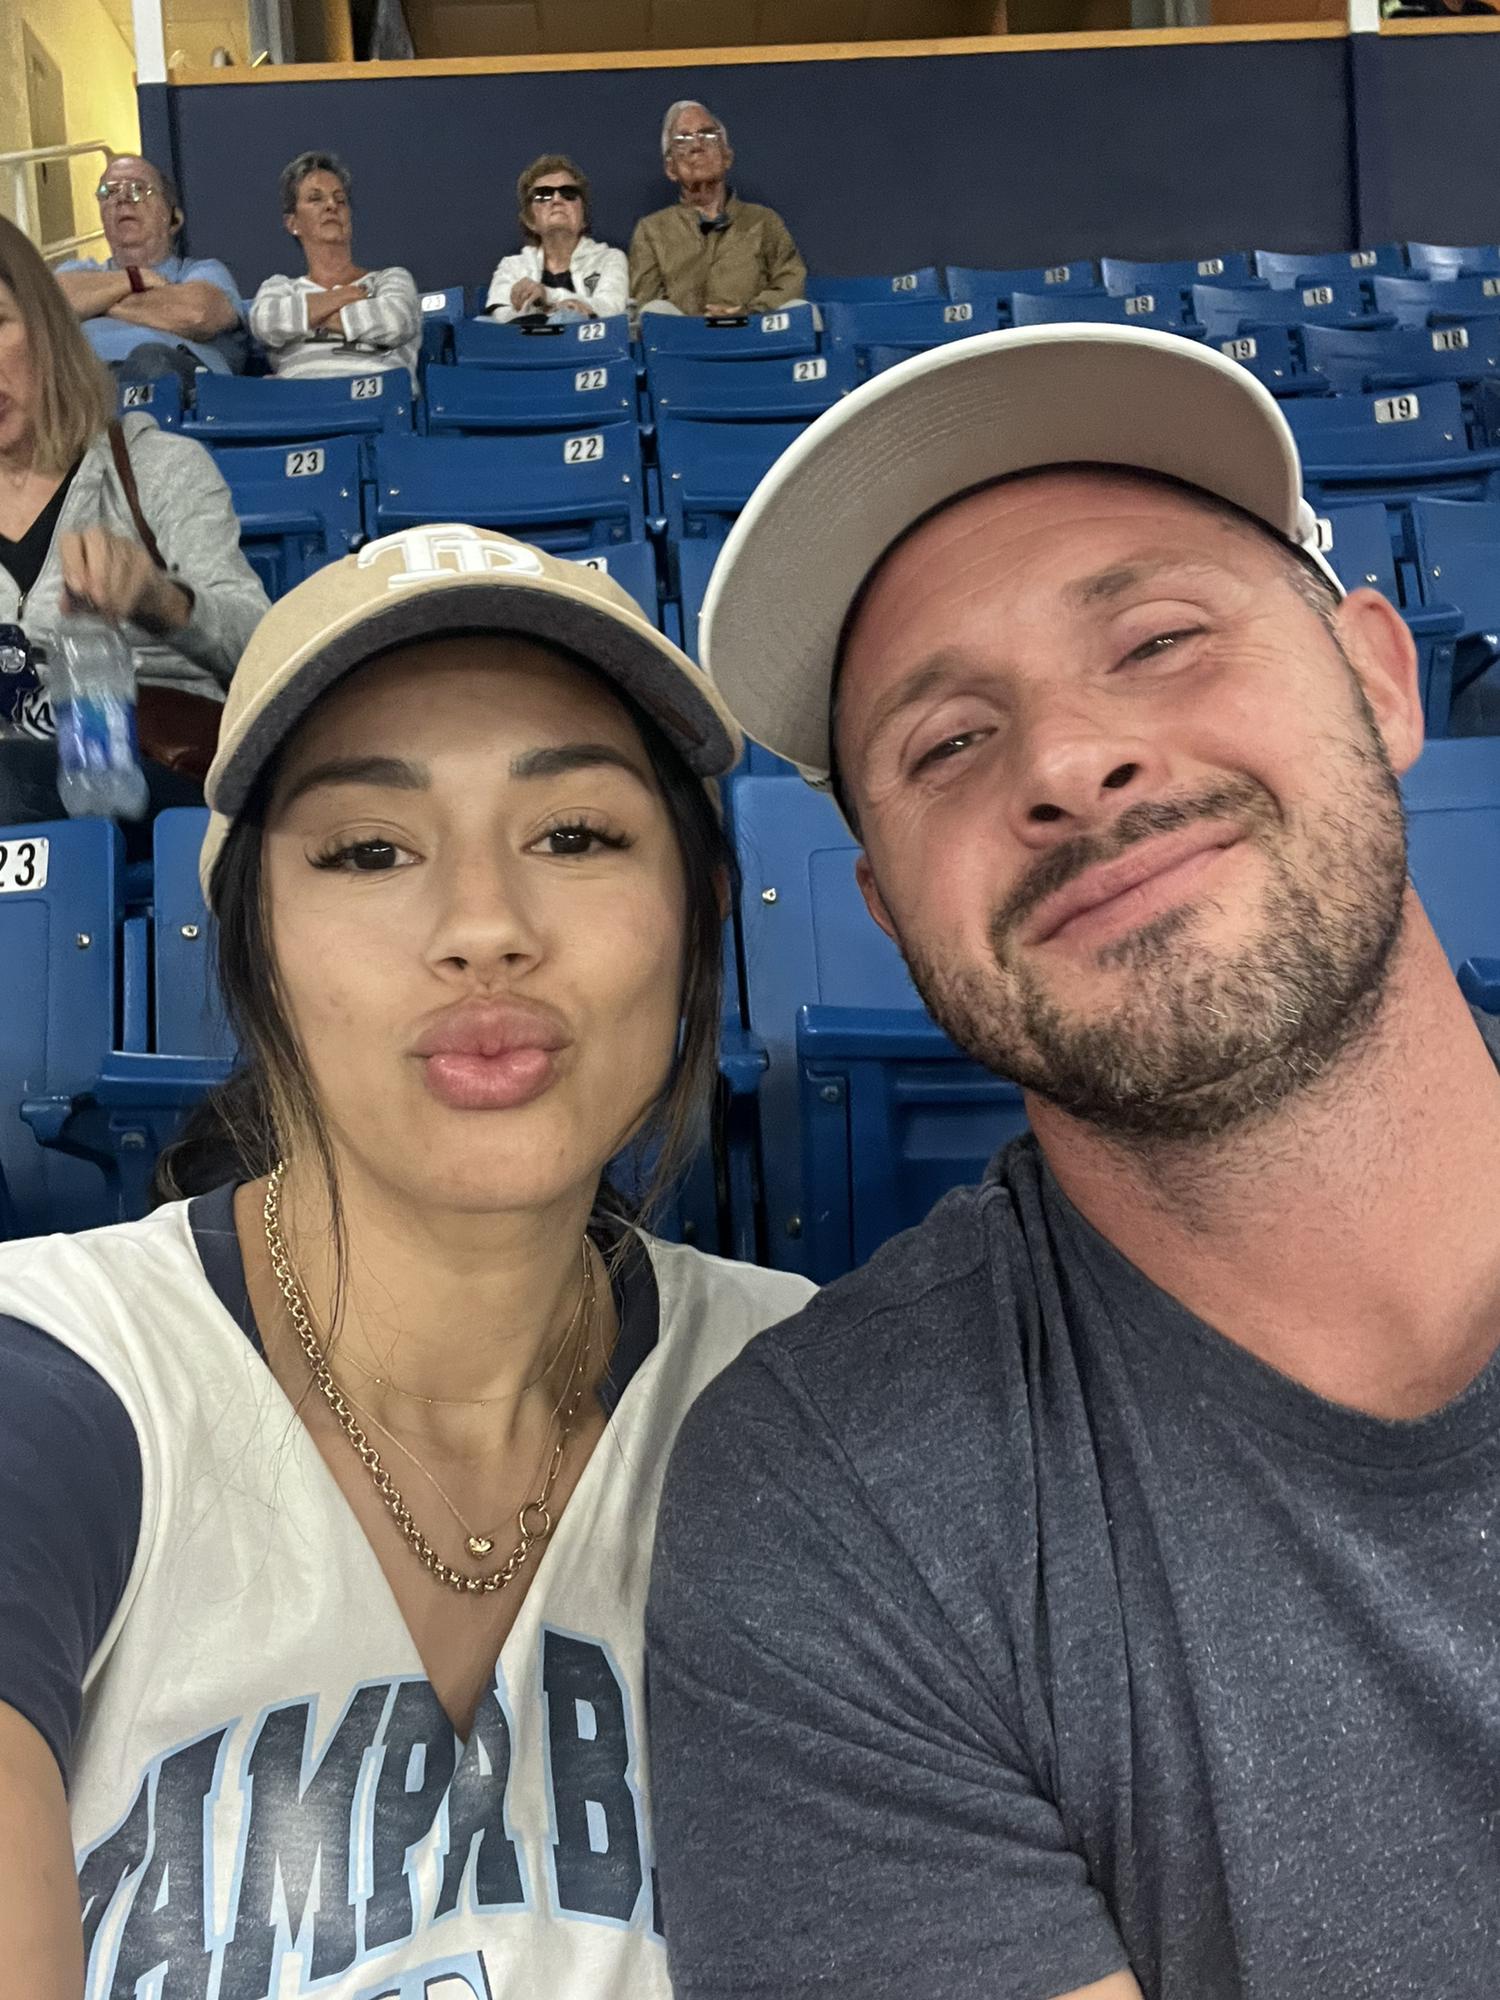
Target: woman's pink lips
490, 1083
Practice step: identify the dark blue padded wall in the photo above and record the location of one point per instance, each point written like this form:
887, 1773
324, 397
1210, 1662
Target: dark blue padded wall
1009, 159
1429, 166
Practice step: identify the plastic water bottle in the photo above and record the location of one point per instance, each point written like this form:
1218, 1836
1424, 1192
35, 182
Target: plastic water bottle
91, 681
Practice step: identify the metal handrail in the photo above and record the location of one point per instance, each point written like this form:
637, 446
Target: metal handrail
23, 166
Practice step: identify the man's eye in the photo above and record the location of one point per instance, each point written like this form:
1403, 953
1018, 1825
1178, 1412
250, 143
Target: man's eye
948, 748
1163, 642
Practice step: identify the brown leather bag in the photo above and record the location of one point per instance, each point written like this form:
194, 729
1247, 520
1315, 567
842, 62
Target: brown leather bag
173, 727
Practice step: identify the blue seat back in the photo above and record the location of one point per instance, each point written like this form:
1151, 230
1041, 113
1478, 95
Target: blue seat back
299, 506
1453, 260
1357, 541
1347, 359
1163, 309
911, 325
61, 907
441, 312
788, 330
160, 398
1227, 310
584, 343
926, 283
1438, 301
696, 556
709, 471
190, 1019
1305, 267
633, 566
788, 390
1271, 355
485, 400
1407, 427
1129, 274
563, 490
990, 288
267, 409
1452, 796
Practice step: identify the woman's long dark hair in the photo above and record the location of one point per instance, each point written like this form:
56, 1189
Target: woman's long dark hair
243, 1128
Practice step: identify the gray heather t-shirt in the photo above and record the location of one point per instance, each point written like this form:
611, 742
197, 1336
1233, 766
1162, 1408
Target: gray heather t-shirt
1011, 1626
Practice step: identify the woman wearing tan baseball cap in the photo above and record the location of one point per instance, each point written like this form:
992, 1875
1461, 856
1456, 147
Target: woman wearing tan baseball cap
325, 1580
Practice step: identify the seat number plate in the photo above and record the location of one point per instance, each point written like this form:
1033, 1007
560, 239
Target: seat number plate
590, 378
957, 315
23, 866
1142, 303
774, 322
592, 329
583, 450
1318, 295
1396, 409
304, 463
363, 387
810, 371
1450, 339
1243, 349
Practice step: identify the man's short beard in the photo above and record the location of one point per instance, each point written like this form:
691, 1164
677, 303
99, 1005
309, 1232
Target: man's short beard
1201, 1043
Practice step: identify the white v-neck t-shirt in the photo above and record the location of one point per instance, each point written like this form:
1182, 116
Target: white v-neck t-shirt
267, 1798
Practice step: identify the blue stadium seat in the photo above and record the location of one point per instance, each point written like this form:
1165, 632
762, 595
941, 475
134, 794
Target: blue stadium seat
264, 409
1128, 274
696, 556
709, 471
633, 567
441, 312
188, 1017
868, 1113
1285, 268
1438, 301
298, 506
1369, 544
588, 343
1452, 796
564, 491
1163, 310
1392, 446
1273, 356
1453, 260
926, 283
911, 325
487, 400
1457, 549
1225, 312
1399, 356
993, 288
161, 399
792, 330
788, 390
1357, 541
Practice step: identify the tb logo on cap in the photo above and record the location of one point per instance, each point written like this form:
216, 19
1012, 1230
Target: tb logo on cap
450, 550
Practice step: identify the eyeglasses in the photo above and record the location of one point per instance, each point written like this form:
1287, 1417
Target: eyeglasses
131, 191
707, 137
565, 193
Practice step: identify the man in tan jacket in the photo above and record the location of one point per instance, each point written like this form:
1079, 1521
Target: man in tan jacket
710, 253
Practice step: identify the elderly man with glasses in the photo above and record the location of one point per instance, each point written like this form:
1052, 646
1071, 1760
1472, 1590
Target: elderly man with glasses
145, 309
710, 253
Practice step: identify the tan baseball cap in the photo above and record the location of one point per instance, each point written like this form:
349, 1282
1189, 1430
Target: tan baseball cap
421, 583
938, 426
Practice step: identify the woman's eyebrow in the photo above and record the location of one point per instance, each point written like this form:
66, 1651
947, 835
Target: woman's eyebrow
395, 773
562, 759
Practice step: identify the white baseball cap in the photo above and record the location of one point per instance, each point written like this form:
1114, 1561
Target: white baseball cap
937, 426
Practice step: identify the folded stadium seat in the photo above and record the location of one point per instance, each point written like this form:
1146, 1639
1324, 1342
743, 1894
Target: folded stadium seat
1228, 312
926, 283
1273, 355
791, 330
585, 343
1452, 796
1392, 446
1402, 355
993, 288
709, 471
695, 558
1453, 260
1457, 549
1286, 268
264, 409
1162, 310
1438, 301
867, 1112
1370, 544
1132, 274
910, 325
299, 506
188, 1019
783, 390
486, 400
441, 312
161, 399
563, 490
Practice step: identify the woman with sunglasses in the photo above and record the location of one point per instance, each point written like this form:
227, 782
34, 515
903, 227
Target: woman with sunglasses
559, 268
329, 1493
338, 318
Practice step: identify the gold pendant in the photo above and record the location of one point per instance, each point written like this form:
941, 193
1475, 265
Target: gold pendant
480, 1545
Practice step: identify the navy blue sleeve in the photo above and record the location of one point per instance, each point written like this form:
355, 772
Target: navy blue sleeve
70, 1519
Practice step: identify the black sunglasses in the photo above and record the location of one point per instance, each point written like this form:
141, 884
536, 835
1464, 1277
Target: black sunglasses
565, 193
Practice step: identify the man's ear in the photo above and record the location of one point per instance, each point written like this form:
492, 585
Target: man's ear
669, 168
1379, 646
864, 875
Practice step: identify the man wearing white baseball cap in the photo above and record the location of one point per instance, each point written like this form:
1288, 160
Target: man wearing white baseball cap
1097, 1594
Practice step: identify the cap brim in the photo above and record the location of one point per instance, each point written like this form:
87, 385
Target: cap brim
937, 426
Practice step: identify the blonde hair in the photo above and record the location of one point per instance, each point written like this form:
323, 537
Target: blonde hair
75, 396
549, 163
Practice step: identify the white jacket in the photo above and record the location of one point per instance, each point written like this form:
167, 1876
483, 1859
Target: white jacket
601, 278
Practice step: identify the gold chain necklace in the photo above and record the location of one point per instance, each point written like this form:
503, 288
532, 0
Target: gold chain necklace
533, 1519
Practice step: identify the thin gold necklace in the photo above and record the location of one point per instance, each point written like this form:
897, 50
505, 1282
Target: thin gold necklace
533, 1518
470, 1402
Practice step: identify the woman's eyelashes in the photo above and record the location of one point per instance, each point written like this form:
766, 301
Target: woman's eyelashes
372, 856
568, 838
